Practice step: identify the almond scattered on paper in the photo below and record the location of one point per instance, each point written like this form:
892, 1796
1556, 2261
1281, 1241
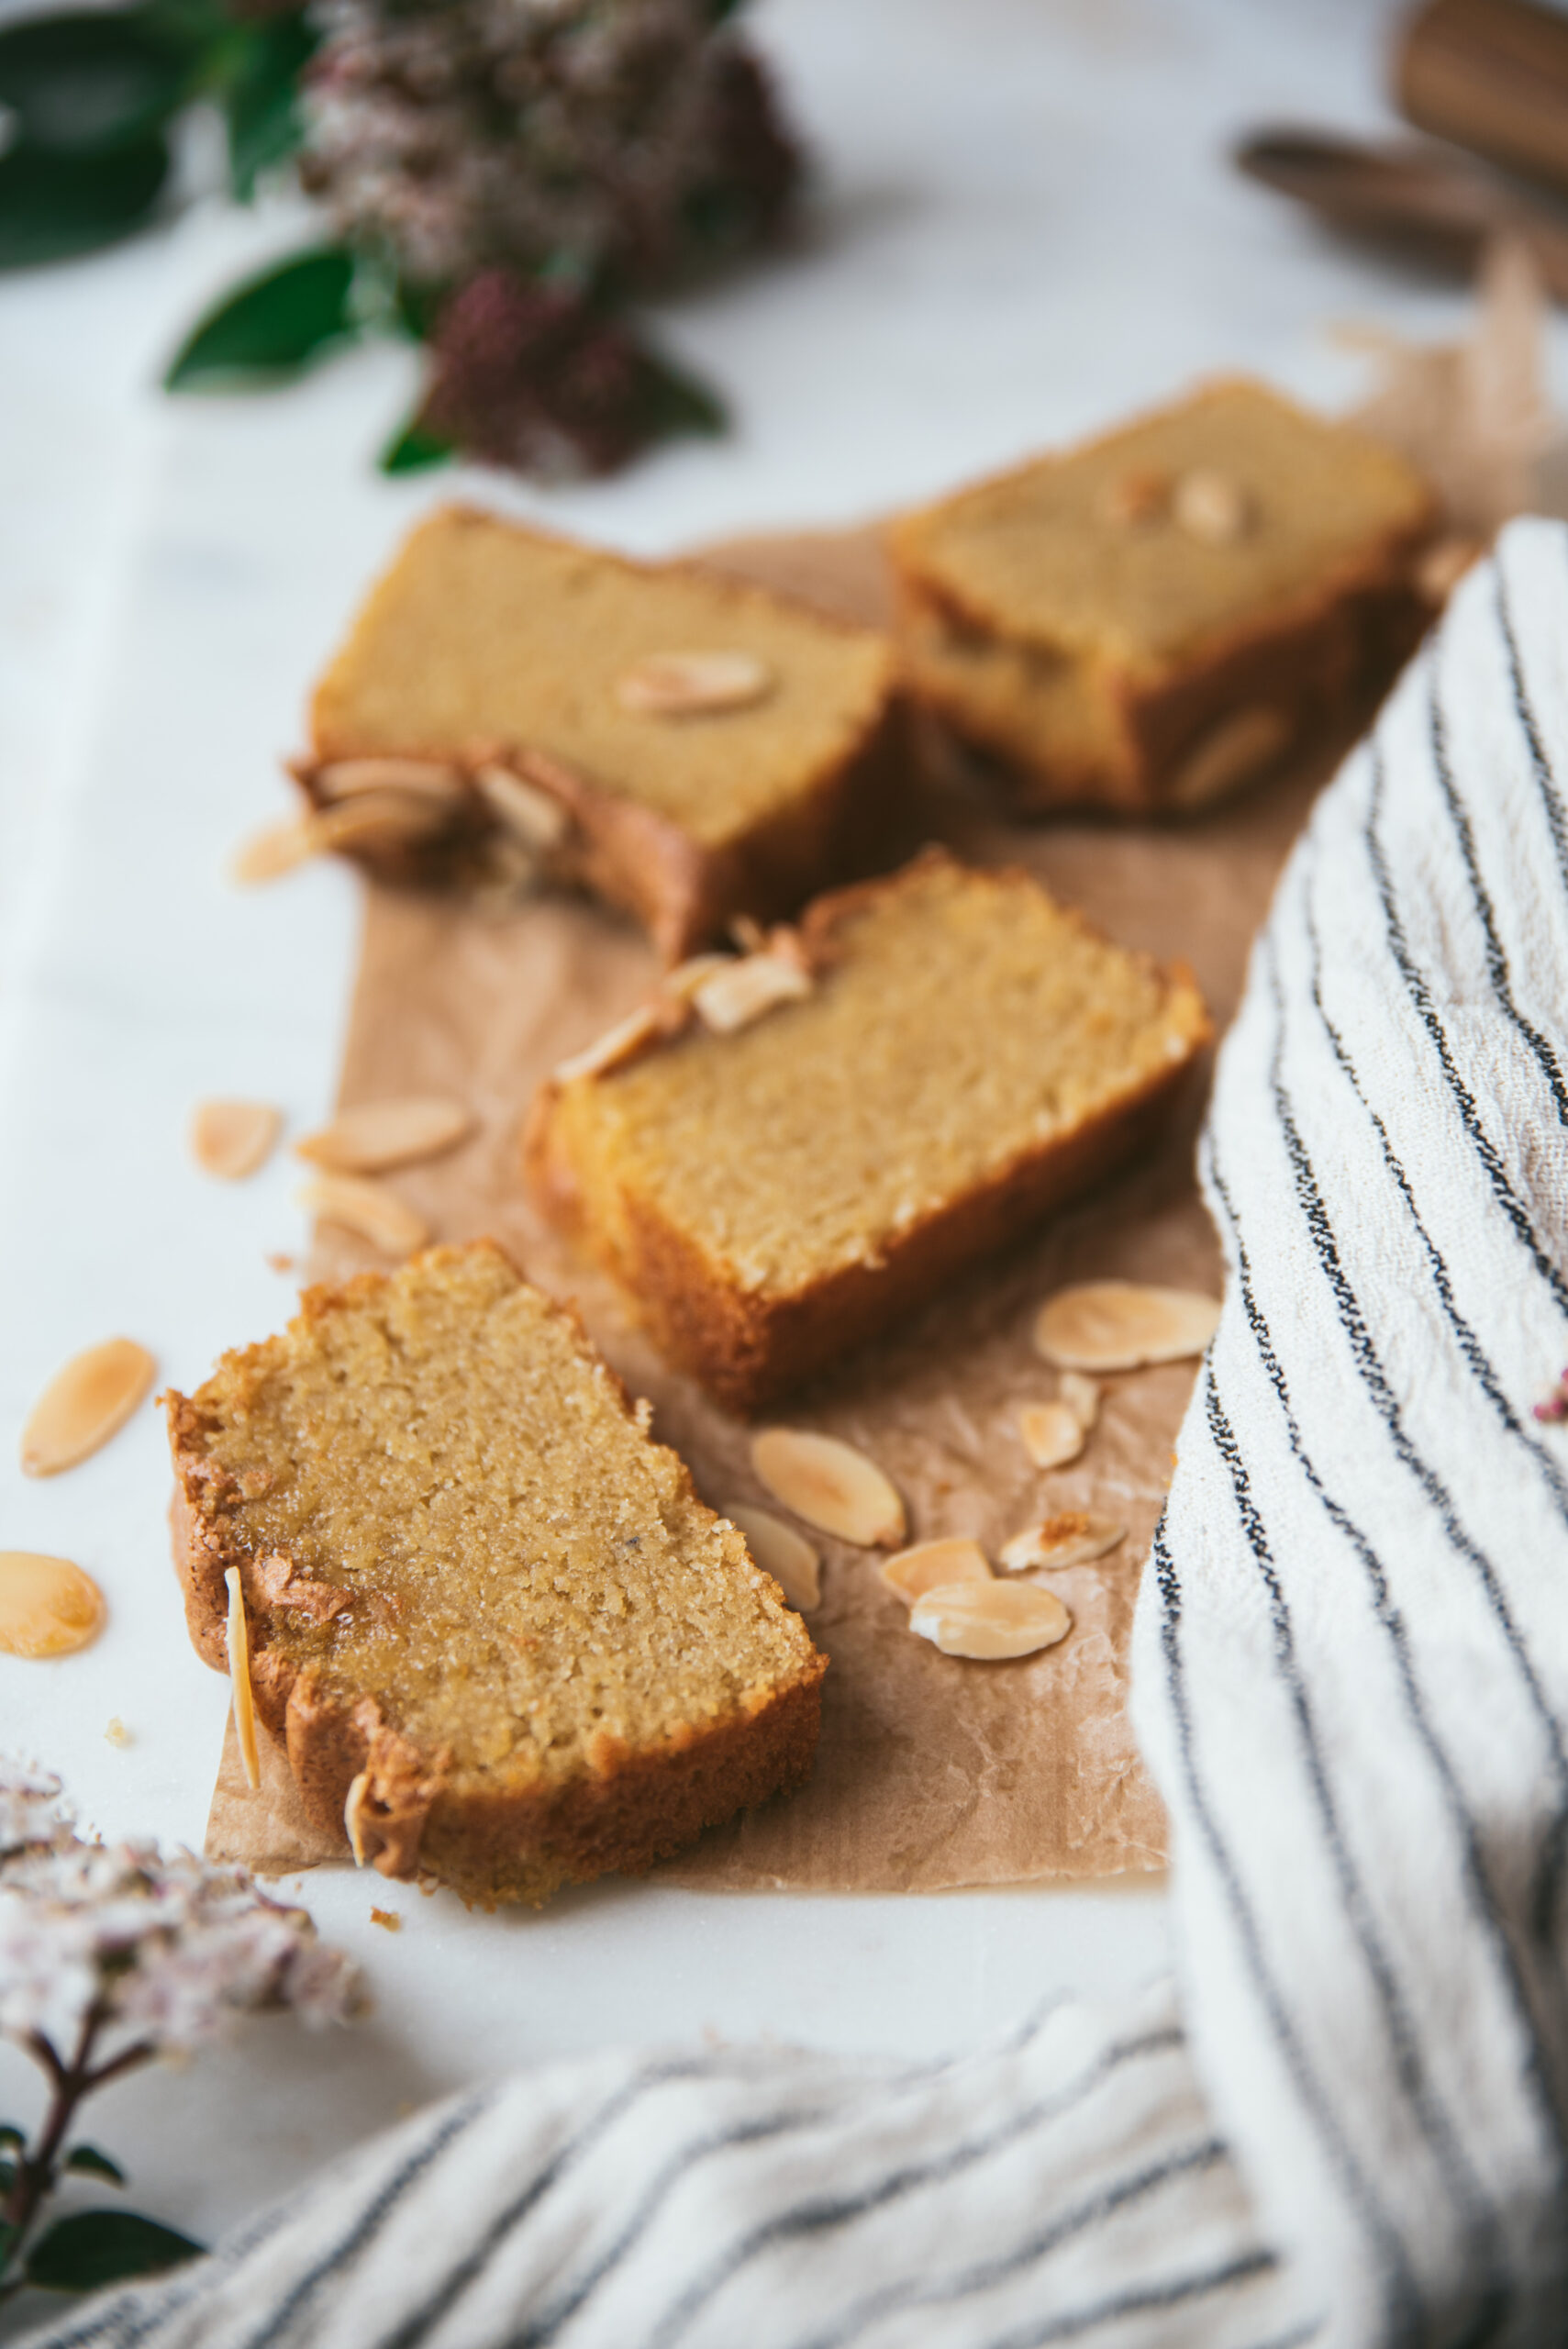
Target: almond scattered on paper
376, 1214
239, 1676
375, 1135
830, 1485
1082, 1397
1052, 1432
232, 1138
1070, 1539
779, 1551
48, 1606
84, 1404
989, 1621
1123, 1325
1211, 507
692, 684
1245, 741
932, 1565
742, 991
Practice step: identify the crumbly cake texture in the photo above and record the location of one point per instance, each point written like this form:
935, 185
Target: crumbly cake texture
971, 1056
1069, 617
482, 1602
486, 640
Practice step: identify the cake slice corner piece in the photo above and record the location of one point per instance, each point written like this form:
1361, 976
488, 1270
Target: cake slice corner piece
502, 1641
967, 1056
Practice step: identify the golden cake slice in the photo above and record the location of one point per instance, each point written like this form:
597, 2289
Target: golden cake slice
786, 1151
1148, 621
686, 745
499, 1635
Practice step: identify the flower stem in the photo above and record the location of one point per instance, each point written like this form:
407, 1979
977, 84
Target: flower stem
36, 2170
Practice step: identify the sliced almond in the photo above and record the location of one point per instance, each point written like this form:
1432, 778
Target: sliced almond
779, 1551
232, 1138
1052, 1433
1211, 507
244, 1699
541, 822
621, 1042
380, 820
990, 1620
1082, 1397
745, 990
691, 685
1238, 747
1122, 1325
375, 1135
681, 983
354, 1816
830, 1485
1069, 1539
48, 1606
377, 1214
84, 1404
425, 778
277, 849
932, 1565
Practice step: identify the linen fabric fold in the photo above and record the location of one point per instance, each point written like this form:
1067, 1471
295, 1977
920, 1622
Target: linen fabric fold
1352, 1682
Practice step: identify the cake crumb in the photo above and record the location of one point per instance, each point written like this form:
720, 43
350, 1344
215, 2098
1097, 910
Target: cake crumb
387, 1917
117, 1734
279, 1262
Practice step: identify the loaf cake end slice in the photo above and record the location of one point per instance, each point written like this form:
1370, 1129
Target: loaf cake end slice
956, 1056
495, 1627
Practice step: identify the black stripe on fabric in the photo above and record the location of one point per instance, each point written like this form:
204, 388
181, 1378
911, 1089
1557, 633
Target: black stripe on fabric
1376, 1380
1546, 782
1421, 996
814, 2218
1395, 2282
1497, 969
1145, 2301
1484, 1903
1478, 2219
983, 2276
1554, 1855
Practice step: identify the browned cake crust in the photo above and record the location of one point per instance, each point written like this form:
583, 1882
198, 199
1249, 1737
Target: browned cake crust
413, 1816
747, 1346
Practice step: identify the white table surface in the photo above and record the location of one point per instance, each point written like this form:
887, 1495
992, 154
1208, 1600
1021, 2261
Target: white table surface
1025, 225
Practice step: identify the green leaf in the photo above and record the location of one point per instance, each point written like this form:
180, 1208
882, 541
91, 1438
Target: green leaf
94, 2247
413, 449
271, 327
264, 123
11, 2135
8, 2178
680, 403
96, 2165
54, 205
88, 82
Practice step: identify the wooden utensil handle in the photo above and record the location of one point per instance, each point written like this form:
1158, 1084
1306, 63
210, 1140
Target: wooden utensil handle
1493, 77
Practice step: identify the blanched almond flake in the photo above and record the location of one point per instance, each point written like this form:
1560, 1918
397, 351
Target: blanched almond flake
277, 849
375, 1135
1212, 508
352, 778
988, 1621
1243, 743
1070, 1539
1082, 1397
232, 1138
830, 1485
1122, 1325
621, 1042
380, 820
541, 822
48, 1606
692, 684
681, 983
779, 1551
1052, 1433
742, 992
932, 1566
377, 1214
84, 1404
239, 1676
354, 1816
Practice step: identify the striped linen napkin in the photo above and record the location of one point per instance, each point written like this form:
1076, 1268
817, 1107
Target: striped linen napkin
1351, 1679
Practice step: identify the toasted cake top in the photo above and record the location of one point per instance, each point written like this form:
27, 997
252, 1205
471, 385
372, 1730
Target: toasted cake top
959, 1022
445, 1501
484, 635
1203, 519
